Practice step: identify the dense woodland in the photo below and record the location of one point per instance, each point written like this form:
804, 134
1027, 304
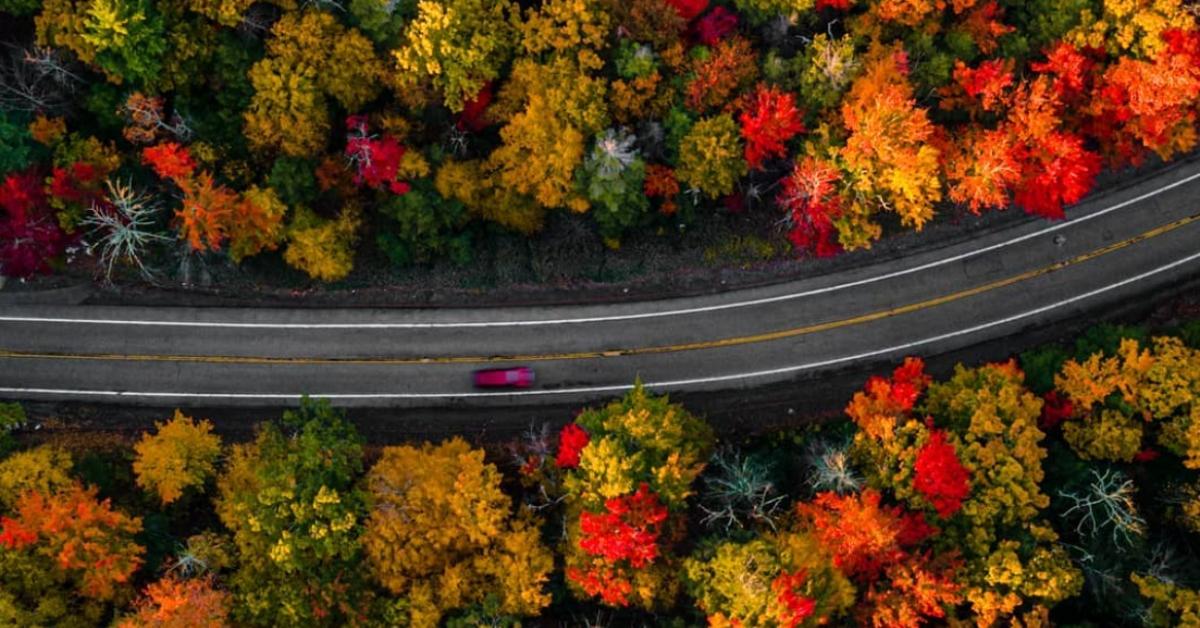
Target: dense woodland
139, 132
1058, 487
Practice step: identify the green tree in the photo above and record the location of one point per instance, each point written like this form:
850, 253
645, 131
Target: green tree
612, 177
424, 226
291, 501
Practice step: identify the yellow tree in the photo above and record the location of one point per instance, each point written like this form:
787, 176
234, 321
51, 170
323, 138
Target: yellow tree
310, 57
181, 454
45, 469
441, 534
459, 45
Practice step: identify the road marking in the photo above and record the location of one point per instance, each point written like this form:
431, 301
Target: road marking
635, 351
663, 385
621, 317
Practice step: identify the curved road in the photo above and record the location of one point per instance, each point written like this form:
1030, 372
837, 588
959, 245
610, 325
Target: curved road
1119, 246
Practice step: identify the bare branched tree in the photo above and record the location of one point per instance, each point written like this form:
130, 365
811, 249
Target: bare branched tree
1106, 504
831, 469
738, 492
122, 228
37, 79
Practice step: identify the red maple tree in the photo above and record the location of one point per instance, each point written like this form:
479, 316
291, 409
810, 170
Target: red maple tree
940, 476
622, 538
571, 441
788, 589
376, 160
810, 197
30, 236
863, 536
769, 121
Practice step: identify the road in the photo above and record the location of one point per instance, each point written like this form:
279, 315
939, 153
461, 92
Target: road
1122, 245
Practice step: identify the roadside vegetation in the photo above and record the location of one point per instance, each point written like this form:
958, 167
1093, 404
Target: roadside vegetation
148, 138
1060, 486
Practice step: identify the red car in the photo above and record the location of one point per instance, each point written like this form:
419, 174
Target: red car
514, 377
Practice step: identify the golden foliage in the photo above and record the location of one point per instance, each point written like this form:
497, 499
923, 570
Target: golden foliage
1106, 435
1130, 26
310, 57
324, 249
441, 534
458, 44
711, 157
45, 469
891, 163
181, 454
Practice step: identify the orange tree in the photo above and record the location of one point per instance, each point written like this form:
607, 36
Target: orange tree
64, 558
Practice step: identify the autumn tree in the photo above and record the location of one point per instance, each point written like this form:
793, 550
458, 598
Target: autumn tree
721, 75
1012, 564
322, 248
768, 123
172, 602
891, 166
30, 237
310, 57
125, 39
45, 469
180, 455
64, 557
553, 100
810, 196
212, 215
629, 473
1124, 28
785, 578
1149, 105
458, 46
291, 501
441, 534
711, 156
880, 548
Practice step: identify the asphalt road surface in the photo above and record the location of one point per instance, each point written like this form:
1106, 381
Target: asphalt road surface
1123, 245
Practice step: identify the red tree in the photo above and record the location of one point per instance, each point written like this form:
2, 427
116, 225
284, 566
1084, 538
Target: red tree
623, 537
788, 589
770, 120
571, 441
863, 536
29, 233
810, 196
376, 161
939, 476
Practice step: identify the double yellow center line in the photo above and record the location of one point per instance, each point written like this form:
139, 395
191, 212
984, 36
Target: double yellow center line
634, 351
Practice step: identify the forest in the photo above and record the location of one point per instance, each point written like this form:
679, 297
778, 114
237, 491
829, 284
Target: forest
135, 133
1059, 486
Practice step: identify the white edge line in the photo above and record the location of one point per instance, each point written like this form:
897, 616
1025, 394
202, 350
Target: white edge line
671, 384
623, 317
